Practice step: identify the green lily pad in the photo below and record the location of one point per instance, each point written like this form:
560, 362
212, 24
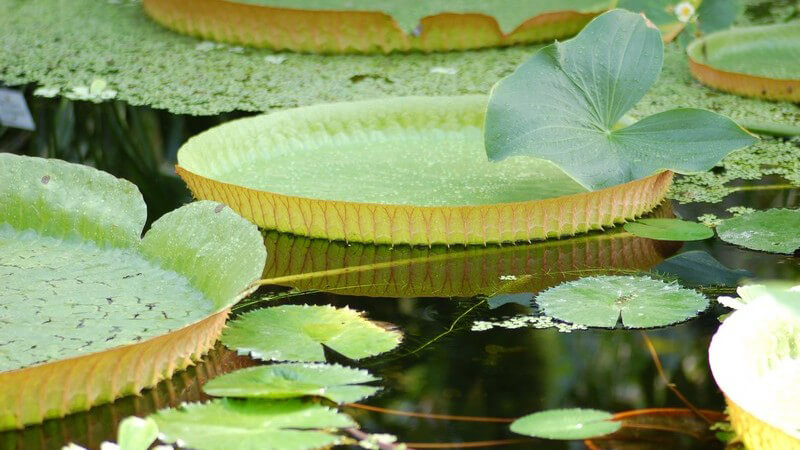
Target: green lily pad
79, 285
639, 302
563, 105
136, 433
509, 13
698, 268
251, 424
298, 333
669, 230
567, 424
755, 361
774, 230
278, 381
710, 15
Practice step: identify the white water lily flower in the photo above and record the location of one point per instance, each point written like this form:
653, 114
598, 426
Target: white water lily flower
684, 11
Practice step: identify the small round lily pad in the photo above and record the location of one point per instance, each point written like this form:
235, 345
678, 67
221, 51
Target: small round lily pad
638, 301
774, 230
669, 230
567, 424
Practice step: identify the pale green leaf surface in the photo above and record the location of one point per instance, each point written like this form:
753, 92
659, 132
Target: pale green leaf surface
669, 230
136, 433
715, 15
75, 278
563, 104
278, 381
567, 424
252, 424
298, 332
774, 230
413, 151
764, 51
509, 13
640, 302
70, 201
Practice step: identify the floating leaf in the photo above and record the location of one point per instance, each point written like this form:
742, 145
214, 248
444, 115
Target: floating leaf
698, 268
298, 333
84, 295
639, 302
294, 171
669, 230
258, 424
774, 230
499, 300
377, 26
715, 15
755, 361
750, 61
136, 433
567, 424
563, 105
278, 381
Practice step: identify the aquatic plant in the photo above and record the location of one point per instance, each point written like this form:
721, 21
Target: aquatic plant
568, 424
336, 383
380, 26
564, 105
755, 361
669, 230
750, 61
774, 230
635, 301
72, 254
298, 333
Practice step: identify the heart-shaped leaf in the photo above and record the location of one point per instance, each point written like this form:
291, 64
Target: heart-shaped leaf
563, 105
278, 381
572, 423
669, 230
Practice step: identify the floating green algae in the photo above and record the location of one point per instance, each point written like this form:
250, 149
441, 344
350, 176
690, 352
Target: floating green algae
68, 49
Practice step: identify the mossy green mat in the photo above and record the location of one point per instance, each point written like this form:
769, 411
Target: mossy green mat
91, 49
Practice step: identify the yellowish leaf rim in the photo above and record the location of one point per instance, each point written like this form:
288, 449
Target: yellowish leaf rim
228, 146
738, 83
323, 31
33, 394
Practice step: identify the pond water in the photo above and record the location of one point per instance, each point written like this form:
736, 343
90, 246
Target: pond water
433, 296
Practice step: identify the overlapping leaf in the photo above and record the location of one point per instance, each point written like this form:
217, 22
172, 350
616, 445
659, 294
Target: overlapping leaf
774, 230
563, 105
669, 230
278, 381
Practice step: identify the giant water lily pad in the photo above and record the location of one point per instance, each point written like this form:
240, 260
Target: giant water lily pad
299, 332
252, 424
753, 61
638, 302
377, 26
573, 423
90, 310
279, 381
755, 360
406, 170
774, 230
564, 105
